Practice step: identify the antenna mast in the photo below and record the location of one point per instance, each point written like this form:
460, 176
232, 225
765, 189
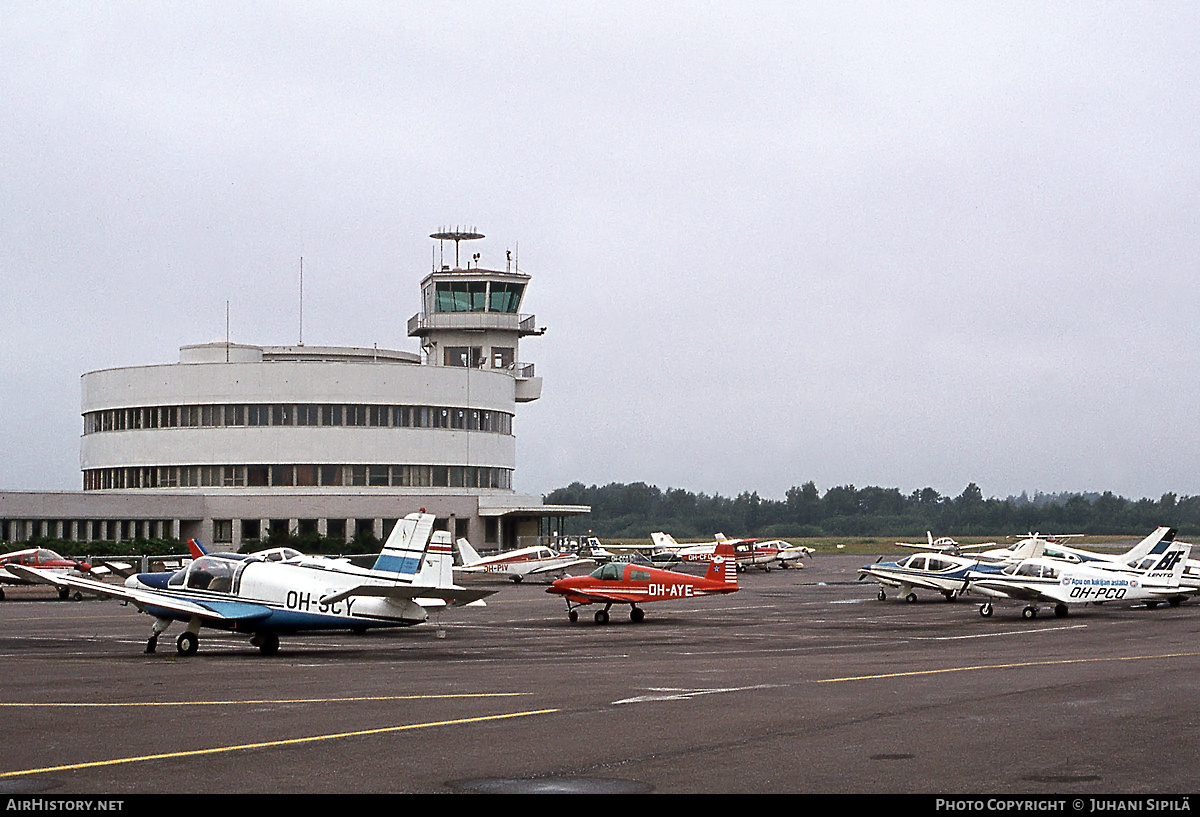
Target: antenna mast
302, 300
456, 235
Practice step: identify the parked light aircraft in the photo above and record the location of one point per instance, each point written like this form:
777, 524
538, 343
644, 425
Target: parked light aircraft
944, 544
947, 572
616, 583
248, 594
42, 559
747, 552
1153, 544
517, 564
944, 573
1054, 581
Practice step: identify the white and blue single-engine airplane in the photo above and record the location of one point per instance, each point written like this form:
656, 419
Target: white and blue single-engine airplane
941, 572
1053, 581
264, 599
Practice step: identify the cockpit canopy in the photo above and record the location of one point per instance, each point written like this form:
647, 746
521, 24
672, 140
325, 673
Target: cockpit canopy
215, 574
922, 561
1032, 570
613, 571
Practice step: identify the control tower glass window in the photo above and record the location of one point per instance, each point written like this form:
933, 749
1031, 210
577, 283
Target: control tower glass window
461, 296
505, 297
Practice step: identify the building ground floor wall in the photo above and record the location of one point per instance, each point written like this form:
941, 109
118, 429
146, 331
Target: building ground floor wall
497, 521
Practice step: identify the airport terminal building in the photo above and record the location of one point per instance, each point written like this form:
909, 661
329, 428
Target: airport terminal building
241, 442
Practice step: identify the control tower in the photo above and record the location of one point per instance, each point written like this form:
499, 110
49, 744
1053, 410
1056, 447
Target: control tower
471, 316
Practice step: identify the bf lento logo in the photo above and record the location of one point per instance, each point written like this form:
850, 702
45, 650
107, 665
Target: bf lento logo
1169, 561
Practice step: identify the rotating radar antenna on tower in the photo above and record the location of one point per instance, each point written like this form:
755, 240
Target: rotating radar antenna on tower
456, 235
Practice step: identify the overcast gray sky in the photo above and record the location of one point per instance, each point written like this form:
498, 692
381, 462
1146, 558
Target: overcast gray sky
885, 244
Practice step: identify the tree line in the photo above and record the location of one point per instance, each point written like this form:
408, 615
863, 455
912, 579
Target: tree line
635, 510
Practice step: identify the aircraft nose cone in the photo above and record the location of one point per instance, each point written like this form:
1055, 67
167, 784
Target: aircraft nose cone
141, 580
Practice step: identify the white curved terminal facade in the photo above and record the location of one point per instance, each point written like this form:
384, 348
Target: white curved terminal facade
241, 442
289, 417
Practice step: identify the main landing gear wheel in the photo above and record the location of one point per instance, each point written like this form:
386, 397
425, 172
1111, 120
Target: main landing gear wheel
949, 594
1029, 612
267, 643
187, 643
64, 593
1175, 601
601, 616
637, 615
517, 579
1060, 611
985, 609
882, 595
910, 598
572, 616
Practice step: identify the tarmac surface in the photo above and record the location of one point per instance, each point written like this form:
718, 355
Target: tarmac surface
801, 682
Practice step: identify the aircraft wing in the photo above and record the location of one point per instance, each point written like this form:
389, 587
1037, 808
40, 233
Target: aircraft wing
1010, 590
143, 599
600, 595
924, 546
104, 567
562, 566
457, 596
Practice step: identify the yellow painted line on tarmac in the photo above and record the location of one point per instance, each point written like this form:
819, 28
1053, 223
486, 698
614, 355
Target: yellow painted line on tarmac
347, 699
272, 743
979, 667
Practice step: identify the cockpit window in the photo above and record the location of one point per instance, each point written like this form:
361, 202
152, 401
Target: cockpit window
636, 575
214, 575
609, 572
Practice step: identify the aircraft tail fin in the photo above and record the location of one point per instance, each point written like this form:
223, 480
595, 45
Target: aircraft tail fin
663, 540
1170, 567
929, 535
196, 549
723, 565
466, 553
1029, 548
437, 568
404, 550
1155, 543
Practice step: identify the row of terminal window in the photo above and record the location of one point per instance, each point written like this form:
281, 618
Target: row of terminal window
253, 476
285, 414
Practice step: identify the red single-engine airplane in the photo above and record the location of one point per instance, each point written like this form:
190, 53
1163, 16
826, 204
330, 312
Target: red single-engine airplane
43, 559
633, 584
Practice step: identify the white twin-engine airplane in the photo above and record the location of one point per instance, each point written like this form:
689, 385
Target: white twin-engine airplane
264, 599
517, 564
1054, 581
